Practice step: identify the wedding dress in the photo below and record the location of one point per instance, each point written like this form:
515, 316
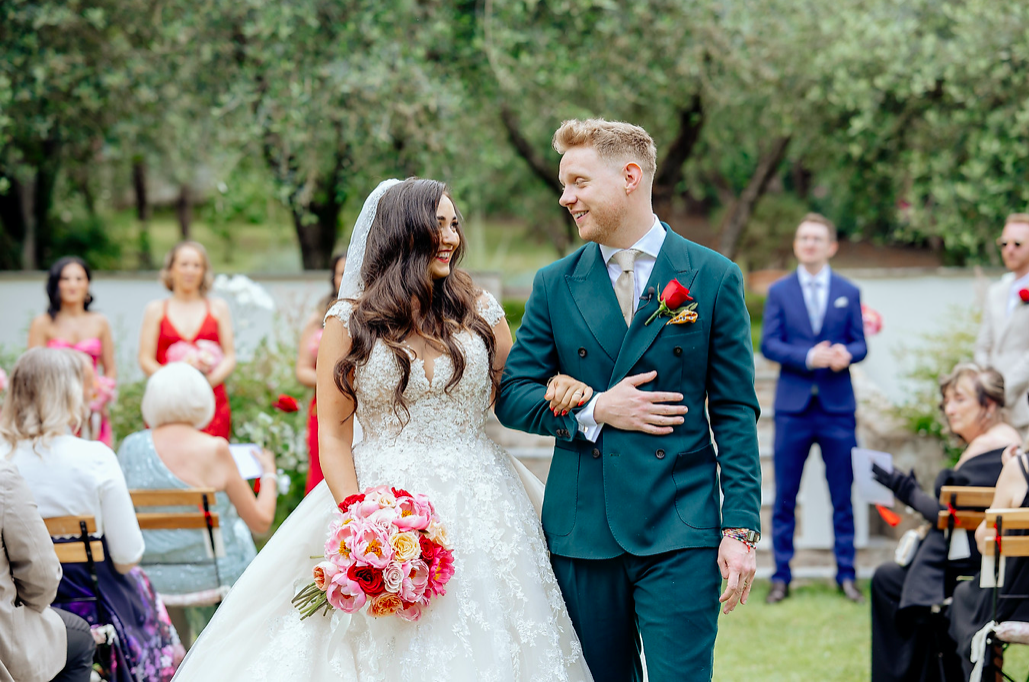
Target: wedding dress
503, 617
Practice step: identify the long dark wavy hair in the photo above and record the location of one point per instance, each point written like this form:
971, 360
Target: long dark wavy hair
53, 282
403, 240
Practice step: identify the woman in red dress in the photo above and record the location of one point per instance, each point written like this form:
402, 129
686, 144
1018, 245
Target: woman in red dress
192, 327
307, 356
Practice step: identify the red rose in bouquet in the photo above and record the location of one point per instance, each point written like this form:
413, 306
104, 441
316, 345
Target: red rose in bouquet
369, 579
346, 504
286, 403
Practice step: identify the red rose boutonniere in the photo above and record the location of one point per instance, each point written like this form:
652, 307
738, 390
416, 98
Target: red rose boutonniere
673, 304
1024, 295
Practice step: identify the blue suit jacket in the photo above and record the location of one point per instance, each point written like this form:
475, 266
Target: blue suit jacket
786, 338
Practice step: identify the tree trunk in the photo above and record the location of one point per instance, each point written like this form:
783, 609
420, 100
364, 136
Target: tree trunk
184, 210
670, 171
39, 236
544, 170
146, 260
317, 237
12, 219
735, 221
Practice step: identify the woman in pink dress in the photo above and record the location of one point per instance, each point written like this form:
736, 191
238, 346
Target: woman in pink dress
191, 327
307, 356
69, 323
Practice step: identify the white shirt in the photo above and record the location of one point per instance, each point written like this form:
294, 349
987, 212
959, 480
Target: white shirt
1014, 300
70, 476
649, 247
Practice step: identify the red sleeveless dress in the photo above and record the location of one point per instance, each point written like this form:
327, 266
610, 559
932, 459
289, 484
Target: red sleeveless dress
221, 423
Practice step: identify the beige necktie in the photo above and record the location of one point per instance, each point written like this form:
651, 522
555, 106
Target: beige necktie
625, 285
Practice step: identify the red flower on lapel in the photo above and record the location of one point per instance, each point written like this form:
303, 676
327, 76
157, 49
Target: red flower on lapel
1024, 295
672, 299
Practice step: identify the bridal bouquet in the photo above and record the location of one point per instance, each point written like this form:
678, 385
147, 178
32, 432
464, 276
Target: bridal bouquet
202, 354
387, 549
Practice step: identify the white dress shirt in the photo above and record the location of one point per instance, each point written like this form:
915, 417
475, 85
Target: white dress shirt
816, 299
649, 247
70, 476
1014, 300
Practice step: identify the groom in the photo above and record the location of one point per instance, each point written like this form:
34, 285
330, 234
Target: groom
638, 539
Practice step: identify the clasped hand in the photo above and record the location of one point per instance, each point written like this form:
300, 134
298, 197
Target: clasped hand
834, 356
624, 406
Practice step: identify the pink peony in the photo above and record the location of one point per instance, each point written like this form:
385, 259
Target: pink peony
411, 612
871, 320
345, 594
413, 514
324, 573
339, 546
441, 570
414, 585
370, 545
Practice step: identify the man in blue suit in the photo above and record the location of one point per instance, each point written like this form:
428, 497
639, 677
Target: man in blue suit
813, 329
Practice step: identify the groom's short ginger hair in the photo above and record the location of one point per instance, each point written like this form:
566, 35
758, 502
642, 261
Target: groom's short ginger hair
611, 140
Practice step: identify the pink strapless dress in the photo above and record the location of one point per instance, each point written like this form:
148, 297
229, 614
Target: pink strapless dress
92, 347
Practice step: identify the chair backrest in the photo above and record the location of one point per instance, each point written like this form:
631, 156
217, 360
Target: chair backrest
200, 498
966, 506
85, 549
1004, 520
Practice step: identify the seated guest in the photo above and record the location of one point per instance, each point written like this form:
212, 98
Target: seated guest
908, 642
37, 643
176, 453
69, 476
973, 606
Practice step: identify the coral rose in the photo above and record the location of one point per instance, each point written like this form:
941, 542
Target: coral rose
324, 573
385, 604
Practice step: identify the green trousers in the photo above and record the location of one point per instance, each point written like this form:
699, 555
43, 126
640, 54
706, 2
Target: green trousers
670, 600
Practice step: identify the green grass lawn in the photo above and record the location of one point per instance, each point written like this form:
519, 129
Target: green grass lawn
814, 635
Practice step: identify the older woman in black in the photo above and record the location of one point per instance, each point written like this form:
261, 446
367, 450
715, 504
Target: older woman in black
909, 641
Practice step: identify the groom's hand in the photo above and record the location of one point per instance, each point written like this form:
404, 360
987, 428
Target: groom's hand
738, 564
627, 408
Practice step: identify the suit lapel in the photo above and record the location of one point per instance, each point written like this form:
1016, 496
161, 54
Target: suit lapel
798, 295
594, 296
830, 304
673, 262
1000, 308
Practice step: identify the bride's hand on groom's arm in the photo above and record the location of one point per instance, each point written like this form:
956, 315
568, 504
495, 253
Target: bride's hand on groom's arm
566, 393
626, 407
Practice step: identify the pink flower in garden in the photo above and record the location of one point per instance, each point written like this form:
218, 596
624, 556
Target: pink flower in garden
872, 320
3, 380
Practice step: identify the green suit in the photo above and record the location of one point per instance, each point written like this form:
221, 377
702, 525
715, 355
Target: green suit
633, 505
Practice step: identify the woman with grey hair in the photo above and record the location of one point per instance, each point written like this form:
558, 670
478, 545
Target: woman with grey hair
175, 453
69, 476
909, 629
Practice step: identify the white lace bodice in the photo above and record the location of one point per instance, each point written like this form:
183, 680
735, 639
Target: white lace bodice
435, 415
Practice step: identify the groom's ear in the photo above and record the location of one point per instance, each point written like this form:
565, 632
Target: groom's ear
633, 176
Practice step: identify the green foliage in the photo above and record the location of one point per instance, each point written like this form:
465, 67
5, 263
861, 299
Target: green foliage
87, 238
514, 310
931, 356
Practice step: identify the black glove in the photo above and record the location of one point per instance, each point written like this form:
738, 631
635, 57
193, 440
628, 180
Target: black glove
902, 485
907, 491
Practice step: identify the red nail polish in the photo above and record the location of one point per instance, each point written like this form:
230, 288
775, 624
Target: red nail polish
564, 413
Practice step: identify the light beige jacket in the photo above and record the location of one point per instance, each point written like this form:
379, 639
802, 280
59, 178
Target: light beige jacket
33, 640
1003, 344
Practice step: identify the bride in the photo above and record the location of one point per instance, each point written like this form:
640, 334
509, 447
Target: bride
416, 351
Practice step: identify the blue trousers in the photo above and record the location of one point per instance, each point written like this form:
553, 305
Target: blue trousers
794, 436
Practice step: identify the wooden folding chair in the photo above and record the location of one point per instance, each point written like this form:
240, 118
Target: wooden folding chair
84, 549
999, 522
201, 499
965, 509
